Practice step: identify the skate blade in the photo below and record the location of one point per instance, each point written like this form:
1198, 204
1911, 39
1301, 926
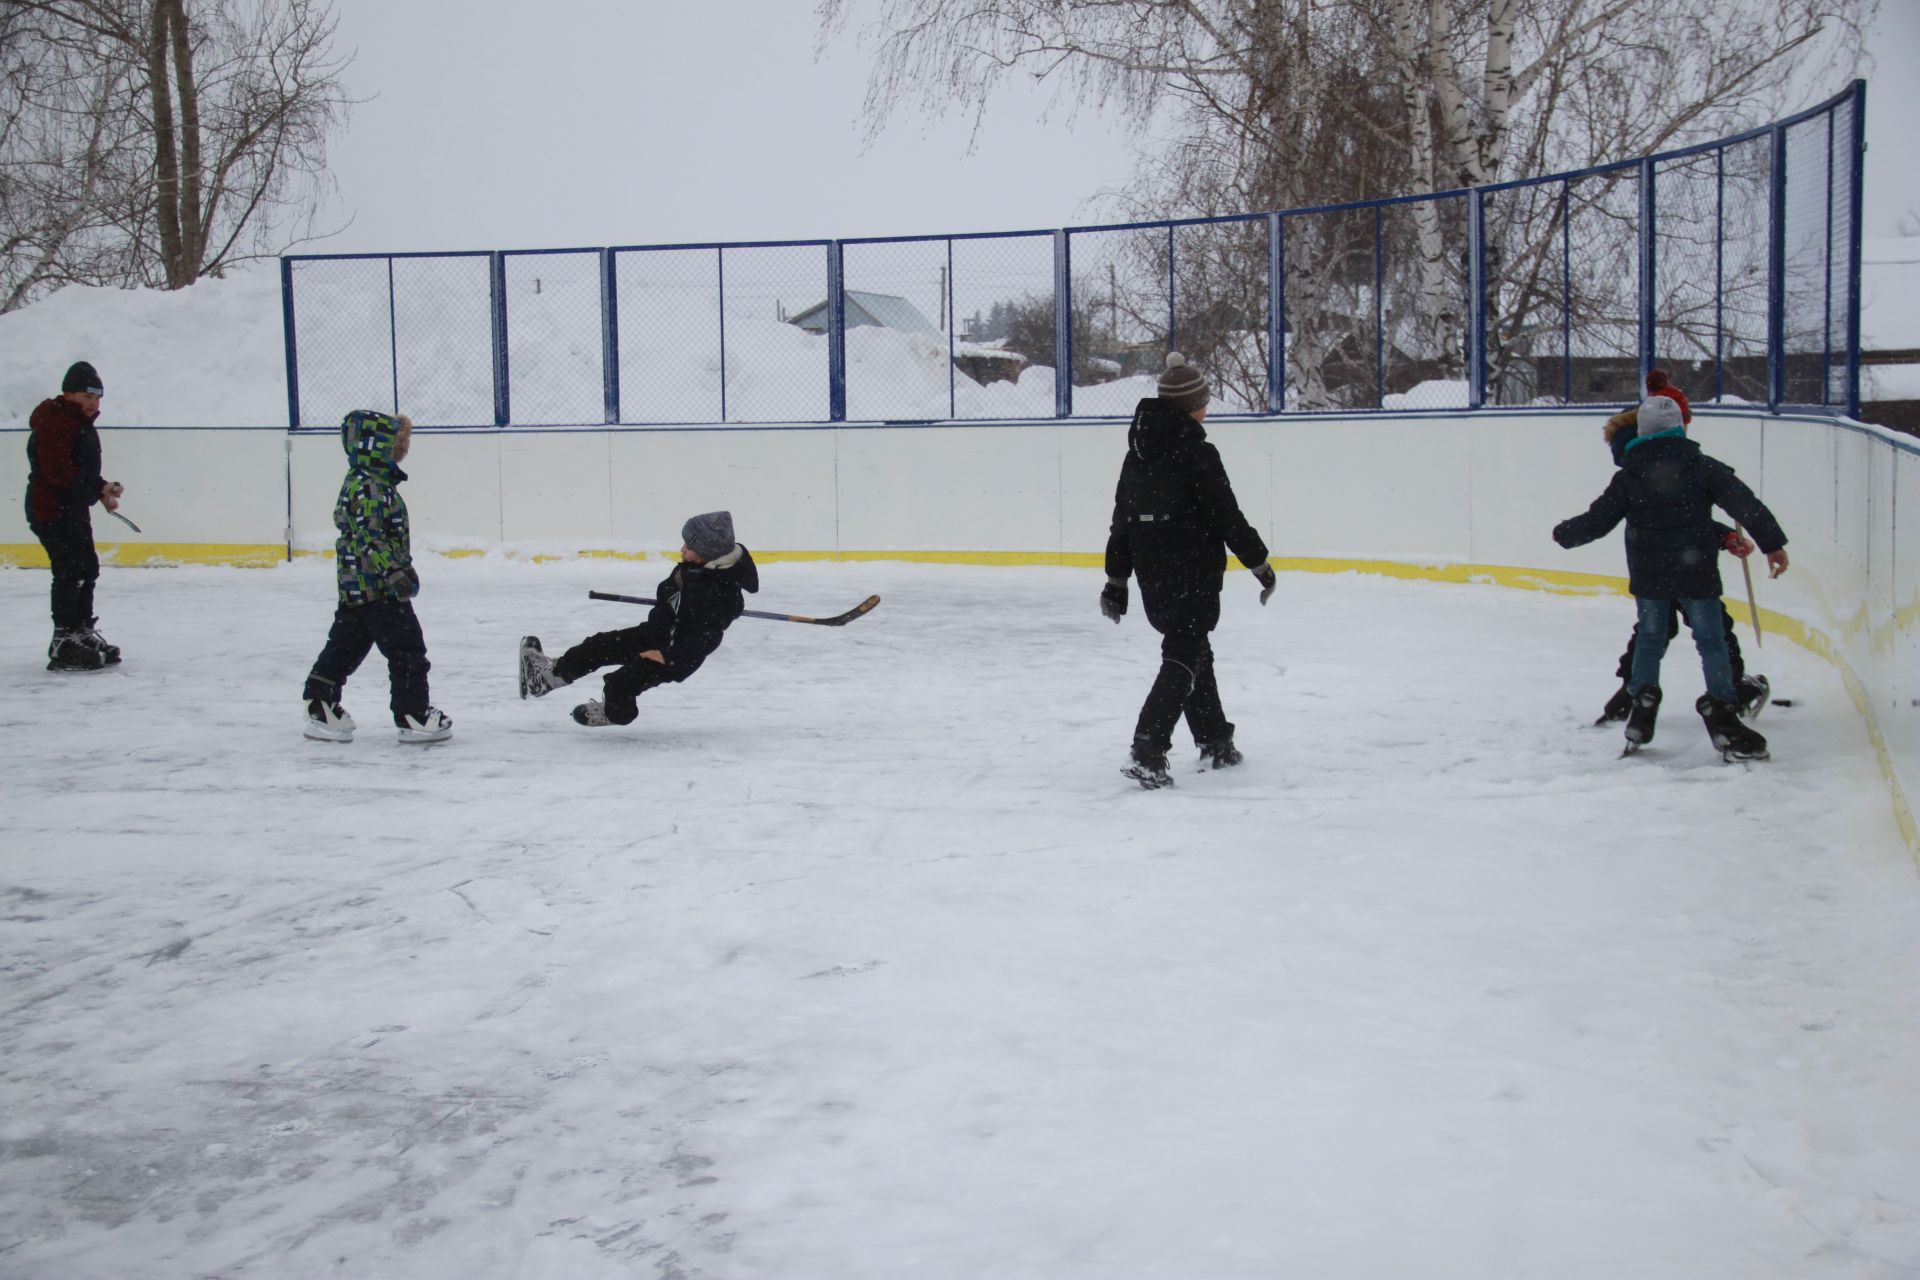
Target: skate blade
1632, 748
318, 734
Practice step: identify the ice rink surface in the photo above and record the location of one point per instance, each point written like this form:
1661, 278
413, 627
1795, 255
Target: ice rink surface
857, 959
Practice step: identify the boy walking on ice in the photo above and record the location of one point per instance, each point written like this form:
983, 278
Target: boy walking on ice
374, 558
698, 601
1666, 490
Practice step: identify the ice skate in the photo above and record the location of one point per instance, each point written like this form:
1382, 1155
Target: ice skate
537, 679
591, 713
434, 726
1149, 767
1617, 706
109, 653
70, 652
1734, 739
1641, 718
1755, 693
328, 722
1220, 755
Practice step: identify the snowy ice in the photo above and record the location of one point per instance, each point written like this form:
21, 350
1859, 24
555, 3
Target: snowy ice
856, 958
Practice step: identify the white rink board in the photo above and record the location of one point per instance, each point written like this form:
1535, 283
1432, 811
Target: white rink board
1423, 490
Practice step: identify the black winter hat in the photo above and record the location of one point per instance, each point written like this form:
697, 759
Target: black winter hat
1183, 386
711, 534
81, 377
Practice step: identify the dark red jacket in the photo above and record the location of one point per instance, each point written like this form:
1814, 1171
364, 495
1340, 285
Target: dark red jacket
63, 462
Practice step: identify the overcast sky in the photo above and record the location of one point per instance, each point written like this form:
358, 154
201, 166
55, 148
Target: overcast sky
496, 124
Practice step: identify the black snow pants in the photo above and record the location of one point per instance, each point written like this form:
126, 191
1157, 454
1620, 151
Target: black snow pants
357, 628
1185, 686
76, 567
635, 675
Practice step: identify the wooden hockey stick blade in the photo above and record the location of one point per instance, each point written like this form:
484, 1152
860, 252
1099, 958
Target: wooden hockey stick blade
123, 520
837, 620
1753, 610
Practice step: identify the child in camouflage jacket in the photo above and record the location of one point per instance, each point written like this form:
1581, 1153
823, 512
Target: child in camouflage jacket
374, 557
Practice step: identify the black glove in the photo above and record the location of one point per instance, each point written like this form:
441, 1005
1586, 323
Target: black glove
1113, 600
405, 582
1263, 574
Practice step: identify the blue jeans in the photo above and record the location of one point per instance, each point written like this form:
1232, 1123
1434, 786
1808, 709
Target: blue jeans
1709, 637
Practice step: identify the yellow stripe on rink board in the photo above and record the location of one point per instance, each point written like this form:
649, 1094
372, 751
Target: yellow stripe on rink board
31, 555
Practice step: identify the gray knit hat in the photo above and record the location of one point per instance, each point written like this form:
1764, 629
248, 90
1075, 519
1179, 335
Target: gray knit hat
711, 534
1183, 386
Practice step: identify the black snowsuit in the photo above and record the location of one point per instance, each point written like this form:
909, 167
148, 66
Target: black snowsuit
63, 483
1174, 519
697, 603
1666, 490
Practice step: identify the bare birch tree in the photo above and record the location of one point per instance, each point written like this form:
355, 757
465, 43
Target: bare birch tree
1285, 104
158, 141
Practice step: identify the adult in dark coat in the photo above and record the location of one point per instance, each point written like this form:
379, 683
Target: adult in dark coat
1174, 519
698, 601
1666, 490
63, 482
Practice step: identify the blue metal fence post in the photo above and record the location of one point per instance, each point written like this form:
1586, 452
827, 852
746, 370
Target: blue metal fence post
502, 406
1719, 273
1276, 314
720, 292
1826, 296
1062, 325
609, 335
1777, 274
1566, 293
393, 338
836, 334
293, 354
1173, 323
1856, 176
1648, 274
953, 327
1477, 287
1379, 310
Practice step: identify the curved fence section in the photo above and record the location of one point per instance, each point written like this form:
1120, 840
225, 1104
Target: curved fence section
1734, 264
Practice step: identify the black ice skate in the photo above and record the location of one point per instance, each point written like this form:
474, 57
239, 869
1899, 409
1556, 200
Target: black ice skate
1755, 693
434, 726
1149, 767
1617, 706
328, 722
537, 679
591, 713
70, 652
1735, 740
109, 653
1641, 718
1220, 755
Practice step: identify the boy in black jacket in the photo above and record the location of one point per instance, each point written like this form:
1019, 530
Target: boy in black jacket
1666, 490
698, 601
1174, 518
63, 481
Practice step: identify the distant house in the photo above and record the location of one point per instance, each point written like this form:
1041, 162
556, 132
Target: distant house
882, 310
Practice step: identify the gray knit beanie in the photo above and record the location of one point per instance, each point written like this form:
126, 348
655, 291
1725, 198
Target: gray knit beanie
711, 534
1183, 386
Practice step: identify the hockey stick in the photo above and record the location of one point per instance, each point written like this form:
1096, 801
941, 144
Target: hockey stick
123, 520
837, 620
1753, 610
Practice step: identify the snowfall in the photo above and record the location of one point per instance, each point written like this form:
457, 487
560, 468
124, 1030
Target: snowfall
857, 958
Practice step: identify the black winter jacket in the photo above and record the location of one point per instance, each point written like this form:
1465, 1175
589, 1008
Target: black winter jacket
696, 607
1666, 490
63, 462
1174, 519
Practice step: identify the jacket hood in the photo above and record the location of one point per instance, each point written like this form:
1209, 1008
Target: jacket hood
1619, 442
1645, 452
368, 438
741, 572
1159, 428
